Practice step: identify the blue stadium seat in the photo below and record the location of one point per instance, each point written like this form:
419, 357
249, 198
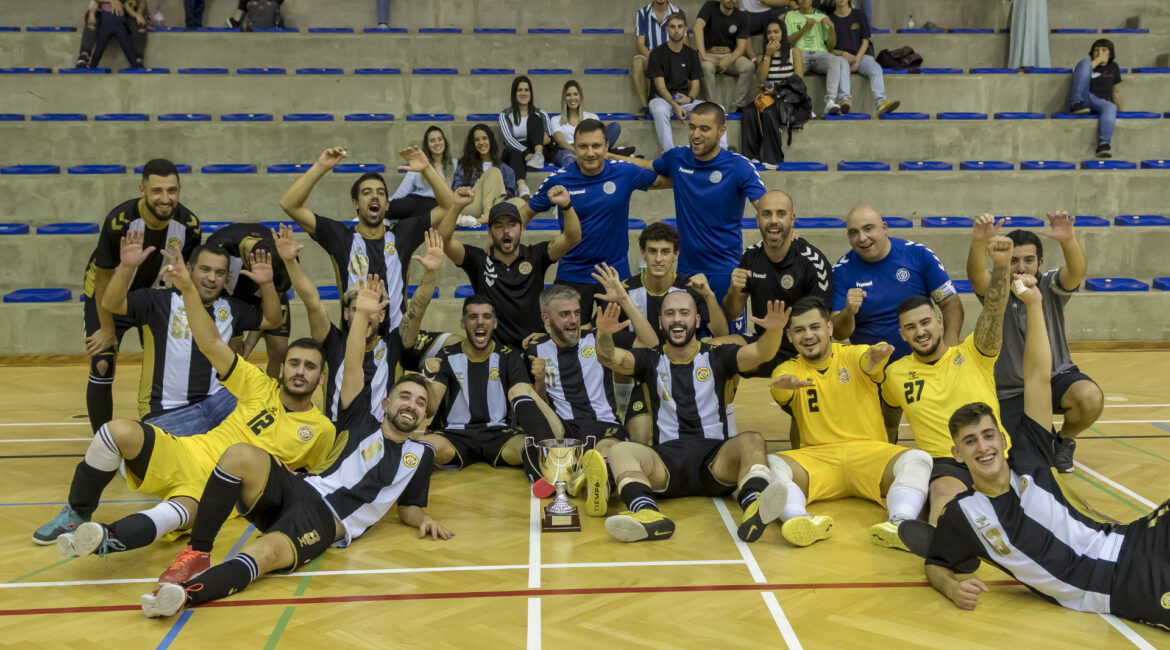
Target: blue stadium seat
898, 222
80, 228
30, 170
231, 168
184, 117
1074, 30
1020, 115
673, 223
1141, 220
938, 71
1090, 221
848, 117
635, 224
13, 228
440, 30
277, 30
1156, 164
246, 117
218, 29
359, 168
962, 286
122, 117
491, 71
606, 71
370, 117
921, 30
144, 70
60, 117
11, 117
1049, 70
7, 28
1049, 165
1020, 222
615, 117
430, 117
377, 71
261, 71
39, 295
533, 71
26, 70
819, 222
734, 117
431, 71
602, 30
330, 30
1115, 284
411, 288
495, 30
994, 71
97, 169
1125, 30
1151, 70
924, 165
203, 70
319, 71
384, 30
308, 117
289, 168
464, 291
862, 166
972, 30
208, 227
985, 165
275, 225
1162, 284
172, 29
802, 167
960, 115
549, 30
50, 29
543, 224
181, 168
947, 222
905, 116
482, 117
1138, 115
329, 292
83, 71
1107, 164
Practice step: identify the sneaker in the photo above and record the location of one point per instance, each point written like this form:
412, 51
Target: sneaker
167, 600
233, 23
802, 531
1104, 150
522, 190
643, 114
885, 535
1079, 108
886, 106
90, 538
623, 151
467, 221
66, 521
831, 108
846, 106
637, 526
761, 512
1064, 447
188, 564
383, 26
536, 162
574, 487
596, 476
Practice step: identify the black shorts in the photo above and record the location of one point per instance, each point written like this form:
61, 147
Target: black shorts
1011, 409
688, 468
1141, 589
92, 324
766, 368
476, 446
951, 468
584, 429
292, 508
639, 402
285, 327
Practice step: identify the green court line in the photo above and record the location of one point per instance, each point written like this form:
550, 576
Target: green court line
42, 569
1124, 443
286, 615
1139, 509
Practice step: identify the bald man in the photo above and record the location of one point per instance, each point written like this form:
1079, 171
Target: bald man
781, 266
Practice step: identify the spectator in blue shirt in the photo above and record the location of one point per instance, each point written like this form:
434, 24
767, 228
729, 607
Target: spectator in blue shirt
413, 195
649, 33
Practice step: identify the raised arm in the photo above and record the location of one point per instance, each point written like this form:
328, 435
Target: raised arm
293, 201
765, 348
610, 356
736, 298
952, 315
843, 320
417, 161
431, 262
288, 249
1076, 267
132, 255
989, 327
1037, 353
261, 274
453, 247
202, 328
571, 232
367, 303
644, 333
716, 320
984, 229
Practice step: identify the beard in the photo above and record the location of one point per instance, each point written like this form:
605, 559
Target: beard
287, 387
688, 336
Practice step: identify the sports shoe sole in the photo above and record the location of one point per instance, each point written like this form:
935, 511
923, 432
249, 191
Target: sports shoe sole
883, 536
845, 108
65, 545
890, 107
596, 483
167, 601
628, 529
87, 539
802, 531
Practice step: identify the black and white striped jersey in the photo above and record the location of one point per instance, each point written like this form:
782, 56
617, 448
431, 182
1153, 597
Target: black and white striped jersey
691, 399
372, 473
650, 303
477, 391
577, 385
380, 367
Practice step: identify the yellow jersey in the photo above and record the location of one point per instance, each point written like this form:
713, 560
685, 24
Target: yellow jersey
841, 405
303, 439
930, 392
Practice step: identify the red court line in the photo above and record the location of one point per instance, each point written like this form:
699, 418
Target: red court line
513, 593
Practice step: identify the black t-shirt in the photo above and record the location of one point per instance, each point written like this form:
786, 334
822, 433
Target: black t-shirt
804, 271
722, 31
851, 30
181, 232
514, 290
1103, 79
677, 69
235, 240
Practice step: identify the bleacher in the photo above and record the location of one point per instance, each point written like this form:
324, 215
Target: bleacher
245, 112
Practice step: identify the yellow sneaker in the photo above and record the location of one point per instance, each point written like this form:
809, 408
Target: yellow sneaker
885, 535
575, 485
802, 531
761, 512
595, 478
642, 525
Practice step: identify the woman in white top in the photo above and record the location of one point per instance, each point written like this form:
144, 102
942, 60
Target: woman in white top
565, 125
525, 140
759, 131
413, 195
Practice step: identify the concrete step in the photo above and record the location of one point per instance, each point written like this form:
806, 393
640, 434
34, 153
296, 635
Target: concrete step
462, 94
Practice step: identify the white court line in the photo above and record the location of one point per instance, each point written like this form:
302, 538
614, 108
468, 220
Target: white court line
786, 630
744, 551
534, 572
1144, 501
1120, 626
604, 565
534, 624
1134, 406
50, 440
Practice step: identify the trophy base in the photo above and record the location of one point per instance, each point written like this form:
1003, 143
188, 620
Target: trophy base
560, 523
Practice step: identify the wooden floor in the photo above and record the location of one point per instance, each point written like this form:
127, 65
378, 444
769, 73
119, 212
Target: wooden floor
501, 584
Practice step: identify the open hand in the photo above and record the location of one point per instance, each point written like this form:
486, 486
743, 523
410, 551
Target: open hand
433, 259
607, 320
261, 263
1060, 227
286, 247
415, 159
985, 227
776, 316
790, 382
176, 271
132, 254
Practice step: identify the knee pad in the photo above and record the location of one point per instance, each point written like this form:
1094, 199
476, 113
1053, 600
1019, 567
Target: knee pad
912, 471
96, 368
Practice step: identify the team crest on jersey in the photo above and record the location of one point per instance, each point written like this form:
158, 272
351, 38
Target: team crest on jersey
913, 374
410, 460
525, 268
716, 176
222, 314
937, 295
843, 375
1166, 600
703, 374
494, 374
638, 406
390, 248
902, 275
305, 433
380, 354
787, 281
587, 351
174, 244
959, 359
609, 187
371, 451
358, 265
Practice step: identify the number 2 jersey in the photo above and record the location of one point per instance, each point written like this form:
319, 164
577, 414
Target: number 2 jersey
841, 405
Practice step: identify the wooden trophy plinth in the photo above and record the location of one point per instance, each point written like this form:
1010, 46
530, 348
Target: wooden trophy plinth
554, 522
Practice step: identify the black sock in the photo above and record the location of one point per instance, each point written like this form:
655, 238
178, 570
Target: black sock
638, 496
86, 490
222, 580
134, 531
99, 400
751, 490
219, 496
609, 477
530, 419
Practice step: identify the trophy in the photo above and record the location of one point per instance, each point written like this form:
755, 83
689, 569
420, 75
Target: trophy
560, 460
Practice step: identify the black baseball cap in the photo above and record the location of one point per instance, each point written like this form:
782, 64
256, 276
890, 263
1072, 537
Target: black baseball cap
504, 210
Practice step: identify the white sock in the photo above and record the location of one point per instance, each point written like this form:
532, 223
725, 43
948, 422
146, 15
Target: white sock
794, 498
167, 516
904, 503
103, 454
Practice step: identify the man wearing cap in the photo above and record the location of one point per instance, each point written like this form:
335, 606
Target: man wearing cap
511, 274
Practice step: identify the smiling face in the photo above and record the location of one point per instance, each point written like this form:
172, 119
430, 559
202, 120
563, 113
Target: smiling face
436, 144
590, 149
371, 202
704, 133
562, 321
679, 318
405, 406
161, 194
209, 273
573, 98
483, 144
922, 329
811, 334
869, 236
478, 322
301, 372
660, 258
523, 93
981, 446
775, 217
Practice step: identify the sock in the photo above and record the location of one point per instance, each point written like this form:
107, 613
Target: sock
99, 400
530, 461
222, 580
219, 496
638, 496
750, 490
94, 473
794, 498
609, 477
908, 492
530, 419
134, 531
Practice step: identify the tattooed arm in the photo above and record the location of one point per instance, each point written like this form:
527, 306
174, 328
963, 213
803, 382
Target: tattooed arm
989, 327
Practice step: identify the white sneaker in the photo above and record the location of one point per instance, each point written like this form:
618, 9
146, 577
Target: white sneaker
168, 600
523, 191
466, 221
831, 108
536, 162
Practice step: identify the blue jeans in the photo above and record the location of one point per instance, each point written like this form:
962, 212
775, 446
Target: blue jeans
867, 9
1078, 91
383, 12
877, 83
197, 418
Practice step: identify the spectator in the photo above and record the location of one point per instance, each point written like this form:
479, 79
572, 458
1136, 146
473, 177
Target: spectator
675, 70
721, 36
481, 169
1094, 88
124, 22
383, 14
814, 35
854, 46
566, 124
762, 12
193, 14
649, 33
525, 140
271, 19
760, 130
866, 7
1028, 47
413, 195
88, 36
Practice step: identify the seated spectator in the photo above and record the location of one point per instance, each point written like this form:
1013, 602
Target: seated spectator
814, 35
566, 123
263, 14
1028, 44
674, 71
122, 21
193, 14
383, 14
721, 36
481, 169
413, 195
525, 141
854, 46
760, 130
1094, 88
762, 12
649, 33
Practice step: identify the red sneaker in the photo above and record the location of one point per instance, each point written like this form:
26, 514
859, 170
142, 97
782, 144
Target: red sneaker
188, 564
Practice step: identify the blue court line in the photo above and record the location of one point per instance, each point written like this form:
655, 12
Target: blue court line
175, 629
63, 503
1161, 426
240, 542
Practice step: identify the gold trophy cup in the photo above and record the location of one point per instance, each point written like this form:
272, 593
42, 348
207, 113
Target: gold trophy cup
560, 459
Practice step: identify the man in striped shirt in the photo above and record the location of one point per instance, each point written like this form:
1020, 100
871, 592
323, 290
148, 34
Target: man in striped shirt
649, 33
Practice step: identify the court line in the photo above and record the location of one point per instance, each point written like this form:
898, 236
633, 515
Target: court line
49, 440
240, 542
44, 424
748, 559
534, 521
174, 631
1125, 630
603, 565
1101, 477
65, 503
533, 624
287, 614
786, 630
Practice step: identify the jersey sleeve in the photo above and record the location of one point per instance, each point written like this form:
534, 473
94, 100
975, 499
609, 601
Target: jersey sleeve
141, 304
416, 491
473, 259
726, 358
840, 285
706, 10
986, 363
855, 355
539, 201
643, 179
1050, 283
819, 281
891, 393
783, 396
108, 252
543, 260
247, 316
193, 236
954, 542
750, 184
513, 370
351, 415
326, 449
663, 163
645, 362
330, 234
245, 380
938, 282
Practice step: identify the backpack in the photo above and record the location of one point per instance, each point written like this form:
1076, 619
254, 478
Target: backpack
262, 14
900, 59
793, 106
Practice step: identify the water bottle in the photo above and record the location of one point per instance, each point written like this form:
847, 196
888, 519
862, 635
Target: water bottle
910, 23
158, 20
676, 96
769, 86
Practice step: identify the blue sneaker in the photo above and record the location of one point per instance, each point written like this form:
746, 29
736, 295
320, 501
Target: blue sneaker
66, 521
90, 538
